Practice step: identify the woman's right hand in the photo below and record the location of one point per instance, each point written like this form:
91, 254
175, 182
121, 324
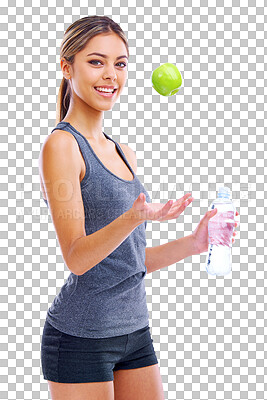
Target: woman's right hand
143, 211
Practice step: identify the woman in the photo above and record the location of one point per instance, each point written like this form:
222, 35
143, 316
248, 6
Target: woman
96, 341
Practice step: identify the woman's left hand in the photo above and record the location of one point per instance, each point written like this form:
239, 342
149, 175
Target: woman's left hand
201, 235
176, 209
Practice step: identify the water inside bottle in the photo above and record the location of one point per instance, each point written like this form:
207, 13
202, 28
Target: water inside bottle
220, 232
221, 228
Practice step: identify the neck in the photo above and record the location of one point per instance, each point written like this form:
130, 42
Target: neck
87, 121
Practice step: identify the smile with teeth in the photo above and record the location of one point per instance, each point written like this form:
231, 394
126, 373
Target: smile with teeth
106, 90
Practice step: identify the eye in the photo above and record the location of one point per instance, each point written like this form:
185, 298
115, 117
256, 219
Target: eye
122, 63
90, 62
93, 61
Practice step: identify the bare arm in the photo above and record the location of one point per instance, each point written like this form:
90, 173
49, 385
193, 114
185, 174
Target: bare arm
169, 253
60, 168
88, 251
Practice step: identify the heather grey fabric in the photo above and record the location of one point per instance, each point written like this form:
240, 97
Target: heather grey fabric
110, 298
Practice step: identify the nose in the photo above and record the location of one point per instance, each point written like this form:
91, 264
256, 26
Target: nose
110, 73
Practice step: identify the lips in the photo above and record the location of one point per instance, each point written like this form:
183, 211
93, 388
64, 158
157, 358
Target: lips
105, 94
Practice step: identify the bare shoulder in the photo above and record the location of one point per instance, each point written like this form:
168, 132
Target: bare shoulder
58, 149
130, 155
64, 144
58, 136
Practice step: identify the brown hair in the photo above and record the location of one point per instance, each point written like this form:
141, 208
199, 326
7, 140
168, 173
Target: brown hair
74, 40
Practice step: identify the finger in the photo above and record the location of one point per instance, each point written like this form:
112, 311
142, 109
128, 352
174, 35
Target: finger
142, 197
184, 203
211, 213
186, 195
179, 208
164, 210
166, 207
182, 199
187, 202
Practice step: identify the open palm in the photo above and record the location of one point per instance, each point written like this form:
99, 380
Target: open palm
159, 211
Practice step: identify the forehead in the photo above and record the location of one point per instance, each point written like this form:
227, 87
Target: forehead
109, 43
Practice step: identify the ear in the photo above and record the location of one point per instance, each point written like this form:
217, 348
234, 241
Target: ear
65, 68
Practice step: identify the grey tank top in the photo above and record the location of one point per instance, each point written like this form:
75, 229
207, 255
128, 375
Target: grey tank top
109, 299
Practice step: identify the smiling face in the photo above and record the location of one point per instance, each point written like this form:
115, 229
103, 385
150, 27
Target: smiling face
91, 71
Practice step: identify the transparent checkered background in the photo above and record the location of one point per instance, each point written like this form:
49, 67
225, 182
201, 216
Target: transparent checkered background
209, 333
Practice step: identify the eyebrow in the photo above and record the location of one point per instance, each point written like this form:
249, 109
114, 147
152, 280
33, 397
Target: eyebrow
104, 56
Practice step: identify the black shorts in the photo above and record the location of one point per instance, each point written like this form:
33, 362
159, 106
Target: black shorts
71, 359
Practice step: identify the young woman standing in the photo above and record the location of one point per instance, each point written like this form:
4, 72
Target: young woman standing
96, 341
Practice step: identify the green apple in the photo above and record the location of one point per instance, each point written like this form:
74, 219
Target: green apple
166, 79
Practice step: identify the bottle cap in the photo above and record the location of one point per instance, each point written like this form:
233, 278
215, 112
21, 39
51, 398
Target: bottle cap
224, 192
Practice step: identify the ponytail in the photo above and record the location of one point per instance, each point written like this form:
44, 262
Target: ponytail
63, 100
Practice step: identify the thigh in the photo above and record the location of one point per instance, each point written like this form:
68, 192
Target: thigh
138, 384
137, 375
84, 391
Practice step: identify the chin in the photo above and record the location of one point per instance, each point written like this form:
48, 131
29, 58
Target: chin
107, 108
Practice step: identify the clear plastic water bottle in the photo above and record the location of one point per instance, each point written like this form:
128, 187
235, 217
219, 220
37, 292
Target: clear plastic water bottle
221, 228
